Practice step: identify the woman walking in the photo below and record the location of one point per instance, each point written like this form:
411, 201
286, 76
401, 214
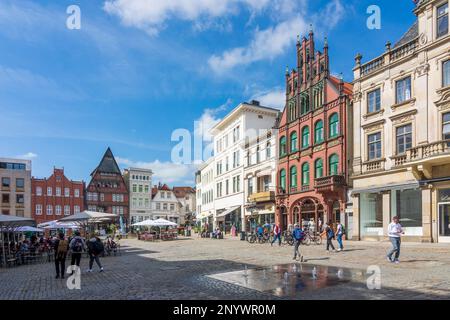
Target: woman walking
329, 233
95, 249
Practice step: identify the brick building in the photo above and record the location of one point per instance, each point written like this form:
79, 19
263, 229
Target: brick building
55, 197
312, 140
107, 191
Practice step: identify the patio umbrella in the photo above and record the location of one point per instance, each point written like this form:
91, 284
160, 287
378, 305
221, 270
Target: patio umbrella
7, 221
88, 217
28, 229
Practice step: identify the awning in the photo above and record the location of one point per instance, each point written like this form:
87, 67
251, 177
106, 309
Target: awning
226, 212
375, 189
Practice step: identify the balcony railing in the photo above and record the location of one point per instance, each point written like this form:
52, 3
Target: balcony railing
372, 65
329, 183
427, 151
404, 50
373, 165
262, 196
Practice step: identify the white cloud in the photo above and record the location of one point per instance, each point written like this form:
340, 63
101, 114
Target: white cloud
209, 119
273, 41
151, 15
28, 155
164, 172
275, 98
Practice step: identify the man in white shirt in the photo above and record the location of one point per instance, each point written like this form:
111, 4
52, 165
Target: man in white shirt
394, 231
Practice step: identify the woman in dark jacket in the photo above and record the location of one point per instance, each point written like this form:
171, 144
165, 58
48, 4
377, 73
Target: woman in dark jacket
95, 249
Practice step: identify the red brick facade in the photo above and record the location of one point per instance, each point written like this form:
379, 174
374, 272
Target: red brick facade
313, 145
56, 197
107, 191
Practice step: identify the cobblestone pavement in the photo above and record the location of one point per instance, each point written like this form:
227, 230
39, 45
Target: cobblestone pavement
179, 270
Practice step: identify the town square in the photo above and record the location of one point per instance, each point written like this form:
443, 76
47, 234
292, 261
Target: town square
252, 150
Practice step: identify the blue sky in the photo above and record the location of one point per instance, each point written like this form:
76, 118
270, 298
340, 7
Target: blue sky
139, 69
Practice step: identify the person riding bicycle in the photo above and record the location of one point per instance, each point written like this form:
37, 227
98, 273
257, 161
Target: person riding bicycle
298, 235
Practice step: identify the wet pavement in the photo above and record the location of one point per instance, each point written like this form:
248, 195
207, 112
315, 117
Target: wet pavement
294, 280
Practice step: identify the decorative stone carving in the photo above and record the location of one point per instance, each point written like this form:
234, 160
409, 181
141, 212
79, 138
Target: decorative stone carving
357, 96
444, 101
422, 69
403, 117
423, 39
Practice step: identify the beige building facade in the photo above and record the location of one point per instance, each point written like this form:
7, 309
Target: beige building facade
401, 119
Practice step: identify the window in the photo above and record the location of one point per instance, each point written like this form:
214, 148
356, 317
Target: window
374, 145
20, 199
305, 137
227, 188
49, 210
134, 188
147, 202
67, 210
318, 132
258, 155
49, 191
5, 198
371, 214
146, 188
293, 141
58, 191
140, 188
20, 183
446, 127
334, 125
305, 174
77, 193
58, 210
20, 213
293, 177
374, 101
102, 197
6, 182
333, 164
172, 207
318, 168
282, 146
442, 20
76, 209
250, 185
165, 206
236, 132
169, 195
236, 159
38, 209
163, 195
404, 138
446, 73
268, 152
407, 205
158, 206
403, 90
38, 191
283, 179
66, 192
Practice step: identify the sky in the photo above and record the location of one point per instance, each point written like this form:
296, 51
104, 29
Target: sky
138, 70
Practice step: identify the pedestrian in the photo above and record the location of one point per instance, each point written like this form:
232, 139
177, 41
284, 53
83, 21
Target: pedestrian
276, 234
395, 231
61, 246
77, 246
329, 233
339, 233
95, 249
319, 225
298, 235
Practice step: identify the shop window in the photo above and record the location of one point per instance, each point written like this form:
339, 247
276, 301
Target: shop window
371, 214
407, 205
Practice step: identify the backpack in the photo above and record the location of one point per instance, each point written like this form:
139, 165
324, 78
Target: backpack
342, 229
330, 233
98, 247
62, 247
77, 245
298, 234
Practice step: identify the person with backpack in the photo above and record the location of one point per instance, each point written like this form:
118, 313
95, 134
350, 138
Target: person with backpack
329, 233
77, 246
61, 246
298, 236
95, 249
276, 234
340, 231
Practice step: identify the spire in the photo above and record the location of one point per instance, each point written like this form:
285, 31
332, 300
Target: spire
311, 32
325, 42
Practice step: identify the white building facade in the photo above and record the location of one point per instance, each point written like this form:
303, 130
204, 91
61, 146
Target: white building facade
139, 182
205, 193
166, 205
243, 124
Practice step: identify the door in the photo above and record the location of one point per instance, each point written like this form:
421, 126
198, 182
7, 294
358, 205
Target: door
444, 222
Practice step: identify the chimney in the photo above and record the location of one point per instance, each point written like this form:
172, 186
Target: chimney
254, 103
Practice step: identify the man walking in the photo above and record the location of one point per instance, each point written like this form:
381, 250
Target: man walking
95, 249
276, 234
298, 235
329, 233
395, 231
77, 246
61, 246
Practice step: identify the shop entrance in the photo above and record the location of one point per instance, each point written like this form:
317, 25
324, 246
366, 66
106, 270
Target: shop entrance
444, 222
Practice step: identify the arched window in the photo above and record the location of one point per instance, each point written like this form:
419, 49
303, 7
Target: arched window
305, 174
318, 132
294, 141
318, 168
305, 137
334, 125
293, 177
283, 179
282, 146
333, 164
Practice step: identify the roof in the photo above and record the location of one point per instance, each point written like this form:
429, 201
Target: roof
411, 34
162, 187
348, 87
108, 164
180, 192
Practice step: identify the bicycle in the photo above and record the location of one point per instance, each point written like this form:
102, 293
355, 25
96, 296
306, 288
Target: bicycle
287, 238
